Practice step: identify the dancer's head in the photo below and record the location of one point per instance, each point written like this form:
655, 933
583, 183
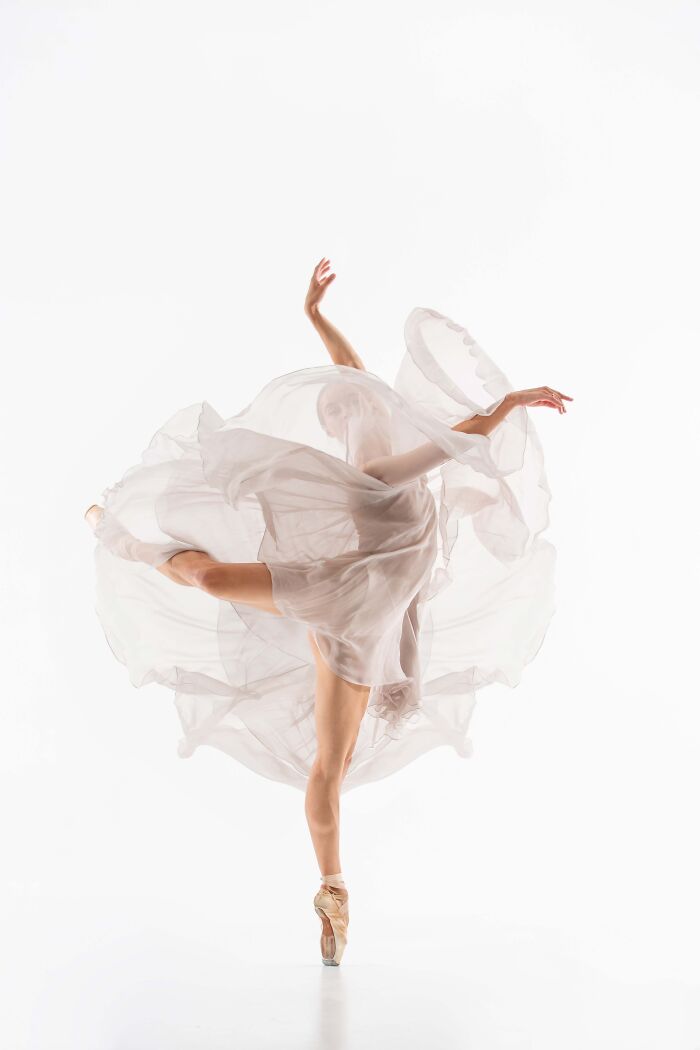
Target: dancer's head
356, 415
337, 403
342, 402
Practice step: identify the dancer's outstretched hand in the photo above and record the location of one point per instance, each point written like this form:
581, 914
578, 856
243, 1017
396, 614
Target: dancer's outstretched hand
320, 280
541, 395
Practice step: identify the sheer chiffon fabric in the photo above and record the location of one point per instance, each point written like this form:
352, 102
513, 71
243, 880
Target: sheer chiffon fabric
413, 552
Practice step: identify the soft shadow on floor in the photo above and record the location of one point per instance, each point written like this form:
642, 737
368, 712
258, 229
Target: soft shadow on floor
90, 978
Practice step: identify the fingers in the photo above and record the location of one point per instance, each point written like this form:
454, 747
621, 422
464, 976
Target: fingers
557, 392
554, 399
321, 271
557, 398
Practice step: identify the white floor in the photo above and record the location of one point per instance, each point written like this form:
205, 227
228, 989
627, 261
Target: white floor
128, 975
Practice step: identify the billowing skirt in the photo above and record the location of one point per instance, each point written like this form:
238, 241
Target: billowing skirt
427, 591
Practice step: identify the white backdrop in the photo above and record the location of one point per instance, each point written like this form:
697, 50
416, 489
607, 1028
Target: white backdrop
170, 175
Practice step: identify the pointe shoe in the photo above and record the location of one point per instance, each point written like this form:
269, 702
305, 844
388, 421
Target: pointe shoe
332, 908
93, 514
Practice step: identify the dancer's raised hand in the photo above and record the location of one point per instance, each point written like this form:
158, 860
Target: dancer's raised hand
320, 280
541, 395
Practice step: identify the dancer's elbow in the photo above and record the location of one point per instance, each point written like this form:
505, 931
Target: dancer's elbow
375, 469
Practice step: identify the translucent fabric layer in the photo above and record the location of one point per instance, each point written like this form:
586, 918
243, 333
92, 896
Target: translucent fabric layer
412, 552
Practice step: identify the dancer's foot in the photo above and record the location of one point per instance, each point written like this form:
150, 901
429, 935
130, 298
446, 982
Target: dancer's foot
93, 514
182, 567
331, 906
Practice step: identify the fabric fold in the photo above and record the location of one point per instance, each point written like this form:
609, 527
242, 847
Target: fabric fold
428, 590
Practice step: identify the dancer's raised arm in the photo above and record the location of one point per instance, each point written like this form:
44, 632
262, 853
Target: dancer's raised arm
395, 470
338, 347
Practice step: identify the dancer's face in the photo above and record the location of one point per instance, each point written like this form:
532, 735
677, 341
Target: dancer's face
339, 404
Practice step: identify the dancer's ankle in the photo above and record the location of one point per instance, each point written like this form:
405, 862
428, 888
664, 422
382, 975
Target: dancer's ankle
336, 881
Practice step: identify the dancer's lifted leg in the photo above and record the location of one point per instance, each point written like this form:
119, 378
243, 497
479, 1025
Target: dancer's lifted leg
246, 582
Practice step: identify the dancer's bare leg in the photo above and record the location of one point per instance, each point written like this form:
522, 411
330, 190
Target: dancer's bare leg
246, 582
340, 706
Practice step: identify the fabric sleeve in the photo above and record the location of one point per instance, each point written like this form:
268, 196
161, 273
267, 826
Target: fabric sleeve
395, 470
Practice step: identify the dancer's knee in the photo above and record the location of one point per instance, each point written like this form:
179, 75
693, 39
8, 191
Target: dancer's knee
213, 578
328, 769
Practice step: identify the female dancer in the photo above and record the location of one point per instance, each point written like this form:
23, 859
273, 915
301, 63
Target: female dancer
378, 574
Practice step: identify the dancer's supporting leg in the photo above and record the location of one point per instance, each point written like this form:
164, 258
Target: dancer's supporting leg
340, 706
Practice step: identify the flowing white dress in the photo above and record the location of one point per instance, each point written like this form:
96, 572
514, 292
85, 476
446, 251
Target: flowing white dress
427, 579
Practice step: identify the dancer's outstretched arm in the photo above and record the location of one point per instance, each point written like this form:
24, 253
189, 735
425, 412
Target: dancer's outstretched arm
395, 470
338, 347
